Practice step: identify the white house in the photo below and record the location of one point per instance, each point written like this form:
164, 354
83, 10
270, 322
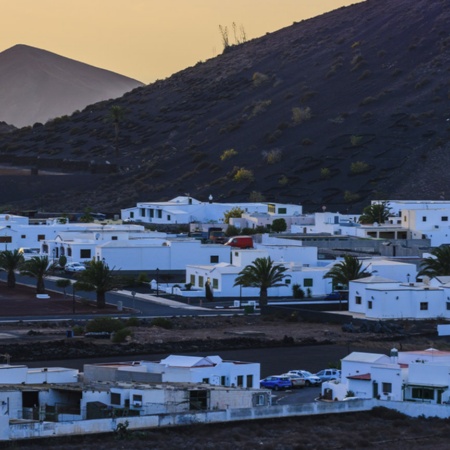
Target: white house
382, 298
211, 370
415, 376
185, 209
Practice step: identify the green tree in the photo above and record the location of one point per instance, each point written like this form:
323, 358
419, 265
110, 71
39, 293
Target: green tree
279, 225
263, 274
38, 267
10, 261
116, 114
378, 212
437, 264
233, 212
100, 278
87, 216
345, 271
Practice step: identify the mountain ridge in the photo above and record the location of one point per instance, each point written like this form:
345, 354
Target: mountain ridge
37, 85
332, 111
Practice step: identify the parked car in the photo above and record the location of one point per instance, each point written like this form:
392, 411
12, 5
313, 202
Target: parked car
240, 242
276, 382
298, 381
329, 374
310, 379
337, 295
74, 267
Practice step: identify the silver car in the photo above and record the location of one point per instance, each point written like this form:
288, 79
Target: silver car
310, 379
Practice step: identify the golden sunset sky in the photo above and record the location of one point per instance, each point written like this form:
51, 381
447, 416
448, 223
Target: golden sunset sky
145, 39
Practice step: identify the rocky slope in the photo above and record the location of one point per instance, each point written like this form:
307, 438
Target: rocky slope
333, 111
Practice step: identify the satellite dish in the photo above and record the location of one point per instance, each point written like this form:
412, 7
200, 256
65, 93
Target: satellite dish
97, 236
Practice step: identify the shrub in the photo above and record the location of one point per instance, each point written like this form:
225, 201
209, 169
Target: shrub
228, 154
102, 324
273, 156
355, 140
350, 197
260, 107
279, 225
121, 335
297, 291
162, 322
300, 115
243, 175
325, 173
259, 78
133, 322
359, 167
256, 197
143, 278
77, 330
231, 231
283, 181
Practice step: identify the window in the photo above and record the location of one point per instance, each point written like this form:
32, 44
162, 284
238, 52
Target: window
23, 236
444, 218
448, 306
424, 218
5, 239
214, 259
386, 388
423, 393
41, 237
192, 280
259, 400
358, 299
131, 214
249, 381
69, 251
308, 282
240, 380
369, 304
200, 281
114, 238
115, 398
168, 217
152, 212
282, 210
223, 380
159, 214
198, 399
205, 380
85, 253
137, 398
424, 306
142, 212
215, 283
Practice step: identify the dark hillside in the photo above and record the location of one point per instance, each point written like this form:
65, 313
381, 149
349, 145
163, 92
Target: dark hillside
336, 110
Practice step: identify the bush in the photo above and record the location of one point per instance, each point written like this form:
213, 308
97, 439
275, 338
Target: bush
107, 324
162, 322
359, 167
350, 197
228, 154
273, 156
300, 115
121, 335
283, 181
355, 140
260, 107
231, 231
256, 197
77, 330
325, 173
243, 175
133, 322
297, 291
259, 78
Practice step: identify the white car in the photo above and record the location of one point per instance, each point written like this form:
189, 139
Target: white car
74, 267
310, 379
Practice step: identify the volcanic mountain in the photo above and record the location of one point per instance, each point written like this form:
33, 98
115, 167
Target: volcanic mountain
334, 111
37, 85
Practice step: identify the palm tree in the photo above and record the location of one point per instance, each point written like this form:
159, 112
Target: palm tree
262, 273
345, 271
10, 261
38, 267
97, 277
116, 114
378, 212
437, 264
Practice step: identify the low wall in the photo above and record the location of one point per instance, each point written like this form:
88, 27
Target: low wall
27, 430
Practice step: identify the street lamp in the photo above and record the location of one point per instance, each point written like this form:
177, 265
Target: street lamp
157, 282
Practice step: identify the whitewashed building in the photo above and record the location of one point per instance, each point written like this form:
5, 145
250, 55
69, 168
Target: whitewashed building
416, 376
185, 210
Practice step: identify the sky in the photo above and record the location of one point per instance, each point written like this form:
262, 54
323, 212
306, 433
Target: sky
146, 39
